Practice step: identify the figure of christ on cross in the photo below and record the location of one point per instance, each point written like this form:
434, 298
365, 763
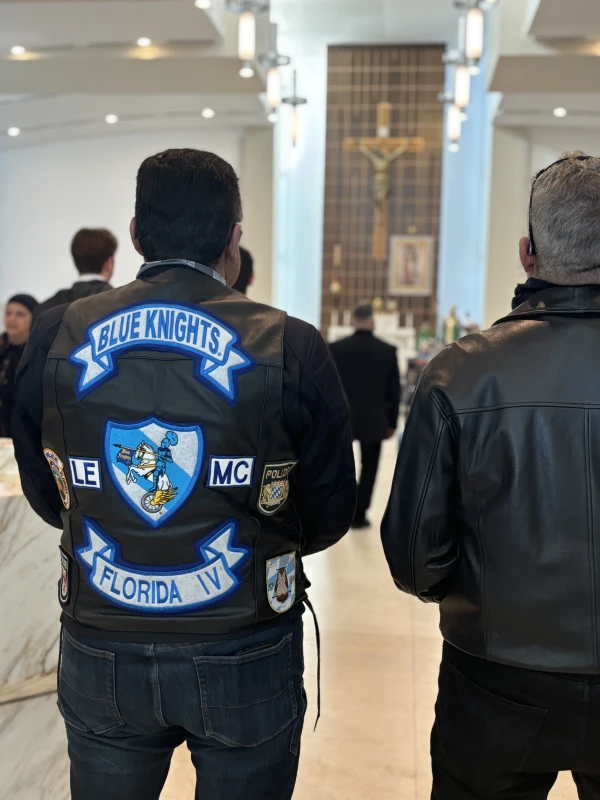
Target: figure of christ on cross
382, 150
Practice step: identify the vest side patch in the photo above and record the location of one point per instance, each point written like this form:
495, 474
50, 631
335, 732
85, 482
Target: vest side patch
64, 587
214, 346
275, 487
230, 471
154, 465
85, 473
163, 590
281, 582
58, 470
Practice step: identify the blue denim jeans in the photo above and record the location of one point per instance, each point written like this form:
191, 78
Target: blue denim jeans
239, 704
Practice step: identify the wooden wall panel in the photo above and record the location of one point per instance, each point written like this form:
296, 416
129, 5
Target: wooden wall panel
410, 78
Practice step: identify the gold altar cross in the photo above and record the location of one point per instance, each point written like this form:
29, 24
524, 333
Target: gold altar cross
382, 150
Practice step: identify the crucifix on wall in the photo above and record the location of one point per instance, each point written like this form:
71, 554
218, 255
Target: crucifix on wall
382, 150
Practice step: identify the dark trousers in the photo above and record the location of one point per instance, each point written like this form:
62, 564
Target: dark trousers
502, 732
239, 705
369, 464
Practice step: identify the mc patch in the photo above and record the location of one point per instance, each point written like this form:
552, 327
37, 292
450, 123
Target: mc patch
281, 582
58, 470
154, 465
163, 590
275, 487
64, 587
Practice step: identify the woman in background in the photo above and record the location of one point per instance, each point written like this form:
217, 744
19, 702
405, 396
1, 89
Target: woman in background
17, 323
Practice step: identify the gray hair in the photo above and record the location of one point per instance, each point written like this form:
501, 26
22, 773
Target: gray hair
566, 221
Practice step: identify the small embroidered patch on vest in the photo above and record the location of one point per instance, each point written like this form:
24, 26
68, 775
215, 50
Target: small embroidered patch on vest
214, 346
227, 471
85, 473
163, 590
154, 465
281, 582
275, 487
64, 587
58, 470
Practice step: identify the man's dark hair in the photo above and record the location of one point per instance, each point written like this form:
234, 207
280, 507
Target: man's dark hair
246, 271
187, 205
91, 248
363, 311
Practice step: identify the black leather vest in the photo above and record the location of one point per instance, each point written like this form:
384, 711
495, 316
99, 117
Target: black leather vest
164, 428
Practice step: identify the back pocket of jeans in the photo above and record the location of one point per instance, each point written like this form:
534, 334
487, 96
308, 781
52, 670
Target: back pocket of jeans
480, 737
86, 687
249, 697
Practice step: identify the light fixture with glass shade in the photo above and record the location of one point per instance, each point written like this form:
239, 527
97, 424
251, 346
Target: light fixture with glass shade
462, 86
474, 34
453, 123
17, 50
294, 101
246, 70
247, 9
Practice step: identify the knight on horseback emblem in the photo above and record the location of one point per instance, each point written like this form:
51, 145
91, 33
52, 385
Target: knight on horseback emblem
151, 464
154, 465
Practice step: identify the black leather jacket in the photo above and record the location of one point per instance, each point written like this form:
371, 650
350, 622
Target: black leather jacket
495, 507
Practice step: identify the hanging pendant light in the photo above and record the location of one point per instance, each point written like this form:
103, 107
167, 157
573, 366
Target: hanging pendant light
453, 123
474, 34
274, 87
294, 101
462, 86
247, 36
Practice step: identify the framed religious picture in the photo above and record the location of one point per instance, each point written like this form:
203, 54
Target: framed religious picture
411, 265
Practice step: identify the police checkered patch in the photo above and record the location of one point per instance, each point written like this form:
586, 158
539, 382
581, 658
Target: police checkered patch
281, 582
275, 487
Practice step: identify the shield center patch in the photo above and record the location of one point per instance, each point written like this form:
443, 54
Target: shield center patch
154, 465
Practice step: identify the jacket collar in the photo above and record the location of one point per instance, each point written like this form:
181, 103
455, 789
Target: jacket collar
540, 299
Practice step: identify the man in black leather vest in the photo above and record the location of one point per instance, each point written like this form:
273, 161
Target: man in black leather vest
495, 515
193, 446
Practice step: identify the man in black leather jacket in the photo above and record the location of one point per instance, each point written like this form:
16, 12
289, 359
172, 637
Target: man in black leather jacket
495, 515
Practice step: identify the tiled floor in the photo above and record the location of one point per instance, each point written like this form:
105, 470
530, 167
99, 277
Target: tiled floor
380, 655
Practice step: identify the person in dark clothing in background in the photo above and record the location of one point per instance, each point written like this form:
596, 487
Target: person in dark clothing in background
246, 272
370, 376
201, 447
17, 323
93, 251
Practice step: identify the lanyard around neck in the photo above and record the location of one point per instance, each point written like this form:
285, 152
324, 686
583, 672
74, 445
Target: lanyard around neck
171, 262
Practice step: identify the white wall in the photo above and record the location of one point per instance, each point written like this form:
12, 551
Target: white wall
49, 191
548, 144
511, 172
257, 195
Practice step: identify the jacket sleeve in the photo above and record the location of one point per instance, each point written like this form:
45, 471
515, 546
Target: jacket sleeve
324, 487
393, 392
418, 534
37, 481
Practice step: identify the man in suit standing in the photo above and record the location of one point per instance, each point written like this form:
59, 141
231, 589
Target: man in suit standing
369, 371
93, 251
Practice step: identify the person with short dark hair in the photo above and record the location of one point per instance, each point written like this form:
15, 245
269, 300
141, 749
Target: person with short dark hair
201, 448
246, 272
93, 251
18, 317
370, 376
494, 515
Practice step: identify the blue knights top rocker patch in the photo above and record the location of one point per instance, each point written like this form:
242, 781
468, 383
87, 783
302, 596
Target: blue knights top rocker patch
214, 346
154, 465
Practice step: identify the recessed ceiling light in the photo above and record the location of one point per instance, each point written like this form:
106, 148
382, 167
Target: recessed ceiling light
560, 112
18, 50
14, 131
247, 71
272, 117
111, 119
454, 147
203, 5
208, 113
144, 41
